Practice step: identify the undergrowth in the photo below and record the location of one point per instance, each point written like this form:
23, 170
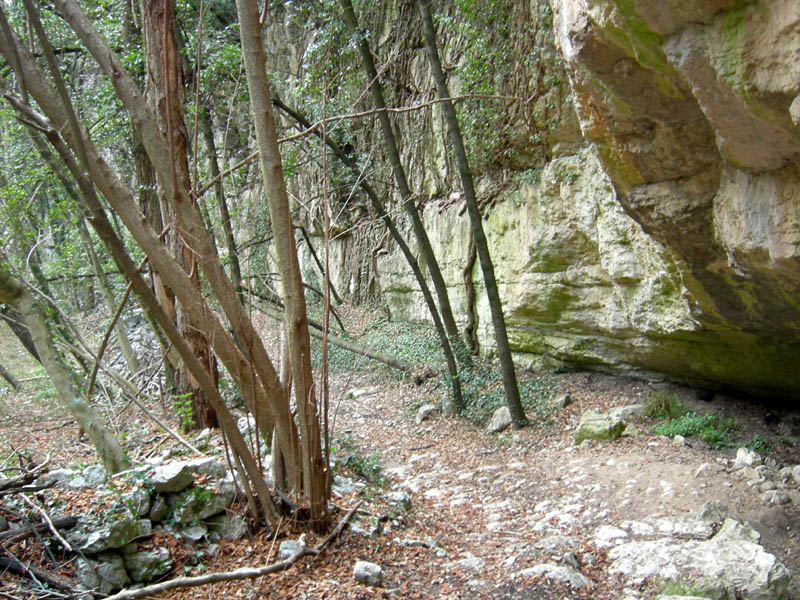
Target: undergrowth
716, 431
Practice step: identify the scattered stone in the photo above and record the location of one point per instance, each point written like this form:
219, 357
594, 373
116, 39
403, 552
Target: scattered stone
144, 567
706, 470
228, 527
470, 562
562, 401
202, 439
796, 474
368, 573
158, 509
171, 477
137, 502
746, 458
679, 440
289, 548
501, 419
399, 498
558, 573
685, 528
598, 426
776, 497
105, 574
201, 501
194, 532
426, 411
608, 535
59, 477
556, 544
713, 511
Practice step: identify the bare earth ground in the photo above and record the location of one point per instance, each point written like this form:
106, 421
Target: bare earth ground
477, 499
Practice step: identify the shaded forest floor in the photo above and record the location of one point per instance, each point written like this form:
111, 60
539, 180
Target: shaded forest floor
477, 500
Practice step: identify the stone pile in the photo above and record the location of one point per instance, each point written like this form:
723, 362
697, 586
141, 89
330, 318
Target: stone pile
185, 498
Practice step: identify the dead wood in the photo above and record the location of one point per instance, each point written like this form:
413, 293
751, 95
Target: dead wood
18, 534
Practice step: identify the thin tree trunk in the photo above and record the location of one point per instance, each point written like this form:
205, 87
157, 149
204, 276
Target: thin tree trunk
18, 328
405, 192
13, 292
315, 471
120, 198
481, 245
9, 378
238, 319
222, 204
452, 368
165, 89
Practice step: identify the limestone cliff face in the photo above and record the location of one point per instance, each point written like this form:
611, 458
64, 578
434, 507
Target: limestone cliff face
655, 229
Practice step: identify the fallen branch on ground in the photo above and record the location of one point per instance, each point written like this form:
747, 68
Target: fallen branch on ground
20, 533
243, 573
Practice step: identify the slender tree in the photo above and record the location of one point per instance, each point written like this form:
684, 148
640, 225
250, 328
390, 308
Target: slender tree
350, 162
165, 93
14, 293
390, 141
295, 322
476, 222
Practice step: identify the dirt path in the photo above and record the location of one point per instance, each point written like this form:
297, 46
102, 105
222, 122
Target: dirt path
489, 501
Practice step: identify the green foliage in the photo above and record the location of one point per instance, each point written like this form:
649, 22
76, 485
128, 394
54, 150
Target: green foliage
484, 393
680, 588
759, 444
183, 406
348, 457
709, 428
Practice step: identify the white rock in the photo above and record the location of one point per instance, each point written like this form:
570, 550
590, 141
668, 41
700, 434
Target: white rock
746, 458
501, 419
368, 573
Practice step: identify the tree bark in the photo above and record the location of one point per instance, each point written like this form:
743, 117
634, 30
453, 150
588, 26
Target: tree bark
13, 292
222, 203
165, 89
20, 331
315, 471
476, 223
402, 183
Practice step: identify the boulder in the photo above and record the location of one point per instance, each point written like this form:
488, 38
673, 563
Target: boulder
94, 475
137, 501
144, 567
501, 419
368, 573
732, 560
598, 426
171, 477
105, 574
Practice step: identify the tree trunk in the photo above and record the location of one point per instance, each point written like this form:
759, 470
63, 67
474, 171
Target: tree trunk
222, 204
481, 245
9, 378
452, 368
165, 90
315, 471
13, 292
402, 183
18, 328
